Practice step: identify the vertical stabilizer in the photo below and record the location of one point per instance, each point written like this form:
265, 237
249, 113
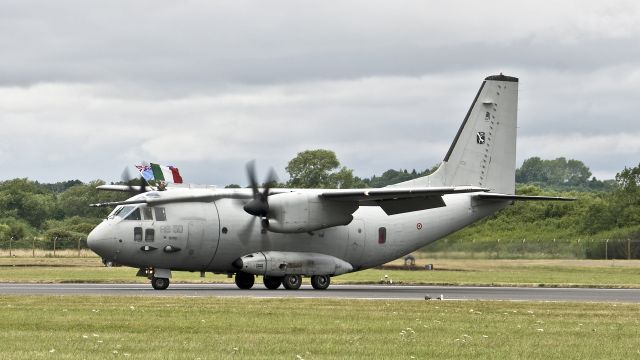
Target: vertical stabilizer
483, 153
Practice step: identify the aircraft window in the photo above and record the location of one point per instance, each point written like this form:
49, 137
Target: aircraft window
135, 215
120, 211
382, 235
161, 215
149, 235
147, 213
137, 234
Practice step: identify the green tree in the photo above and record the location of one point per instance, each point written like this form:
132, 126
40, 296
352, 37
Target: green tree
27, 200
317, 169
558, 172
76, 199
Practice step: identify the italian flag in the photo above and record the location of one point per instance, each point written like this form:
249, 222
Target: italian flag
169, 174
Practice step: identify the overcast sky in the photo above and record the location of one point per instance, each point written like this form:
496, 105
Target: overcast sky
89, 87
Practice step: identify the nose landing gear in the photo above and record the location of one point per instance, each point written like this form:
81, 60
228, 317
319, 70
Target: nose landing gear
159, 283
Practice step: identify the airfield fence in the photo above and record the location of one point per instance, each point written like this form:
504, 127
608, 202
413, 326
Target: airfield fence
445, 248
535, 249
50, 247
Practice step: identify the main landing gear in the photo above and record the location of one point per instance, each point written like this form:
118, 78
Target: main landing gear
244, 280
320, 282
290, 282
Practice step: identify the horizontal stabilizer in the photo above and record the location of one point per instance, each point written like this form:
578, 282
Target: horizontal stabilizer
491, 196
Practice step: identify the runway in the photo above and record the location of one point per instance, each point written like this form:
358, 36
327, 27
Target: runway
335, 291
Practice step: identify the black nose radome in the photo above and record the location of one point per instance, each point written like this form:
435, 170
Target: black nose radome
237, 263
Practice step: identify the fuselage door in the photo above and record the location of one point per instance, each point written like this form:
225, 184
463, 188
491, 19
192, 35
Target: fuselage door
196, 242
203, 234
356, 242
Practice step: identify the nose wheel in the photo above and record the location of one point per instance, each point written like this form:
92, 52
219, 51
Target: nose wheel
159, 283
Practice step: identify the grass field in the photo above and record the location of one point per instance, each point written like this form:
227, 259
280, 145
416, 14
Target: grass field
95, 327
583, 273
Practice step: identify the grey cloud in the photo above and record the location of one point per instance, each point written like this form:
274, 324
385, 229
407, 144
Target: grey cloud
86, 88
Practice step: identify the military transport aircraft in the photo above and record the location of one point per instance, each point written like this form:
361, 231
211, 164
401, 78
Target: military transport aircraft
285, 234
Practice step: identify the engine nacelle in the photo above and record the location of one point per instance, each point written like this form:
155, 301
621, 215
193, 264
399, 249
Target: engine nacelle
280, 263
298, 212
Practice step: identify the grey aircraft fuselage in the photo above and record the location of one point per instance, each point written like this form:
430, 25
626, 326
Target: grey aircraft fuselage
210, 236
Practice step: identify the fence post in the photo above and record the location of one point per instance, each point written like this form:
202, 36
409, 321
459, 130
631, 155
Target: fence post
55, 238
498, 250
33, 247
628, 249
10, 245
523, 241
606, 249
79, 246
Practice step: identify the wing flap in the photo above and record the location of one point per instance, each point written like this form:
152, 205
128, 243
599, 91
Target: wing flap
361, 195
492, 196
398, 200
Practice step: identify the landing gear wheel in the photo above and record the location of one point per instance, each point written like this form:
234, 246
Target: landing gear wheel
272, 282
244, 280
292, 282
159, 283
320, 282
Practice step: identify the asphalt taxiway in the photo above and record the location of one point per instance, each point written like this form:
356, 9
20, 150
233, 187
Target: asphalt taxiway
336, 291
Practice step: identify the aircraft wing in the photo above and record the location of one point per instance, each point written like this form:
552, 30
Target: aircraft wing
399, 200
123, 188
152, 199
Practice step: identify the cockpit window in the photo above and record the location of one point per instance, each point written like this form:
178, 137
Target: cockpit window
161, 215
134, 215
147, 213
120, 211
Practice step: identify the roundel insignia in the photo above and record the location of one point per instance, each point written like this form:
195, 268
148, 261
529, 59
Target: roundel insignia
419, 226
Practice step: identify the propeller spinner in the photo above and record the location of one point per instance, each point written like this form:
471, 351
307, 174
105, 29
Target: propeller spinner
259, 206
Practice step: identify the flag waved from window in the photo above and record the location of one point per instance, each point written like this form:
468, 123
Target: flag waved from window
155, 173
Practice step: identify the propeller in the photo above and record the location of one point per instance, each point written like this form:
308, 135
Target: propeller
127, 180
259, 206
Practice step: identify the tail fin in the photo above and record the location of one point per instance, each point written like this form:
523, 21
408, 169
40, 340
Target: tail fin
483, 153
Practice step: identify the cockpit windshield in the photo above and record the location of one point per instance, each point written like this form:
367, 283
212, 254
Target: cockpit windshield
136, 212
121, 212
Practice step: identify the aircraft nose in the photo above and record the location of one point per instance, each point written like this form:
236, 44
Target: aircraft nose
99, 240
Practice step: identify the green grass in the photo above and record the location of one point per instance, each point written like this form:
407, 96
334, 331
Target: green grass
576, 273
93, 327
